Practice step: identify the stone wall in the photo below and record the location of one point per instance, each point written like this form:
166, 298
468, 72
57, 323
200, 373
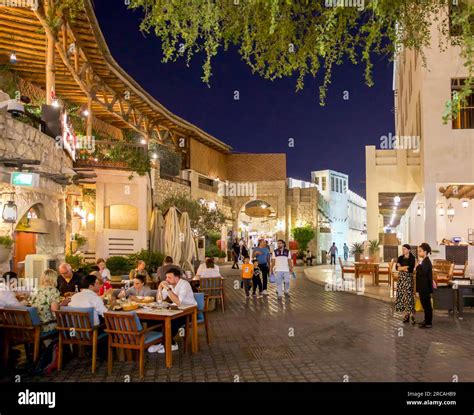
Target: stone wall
21, 141
163, 188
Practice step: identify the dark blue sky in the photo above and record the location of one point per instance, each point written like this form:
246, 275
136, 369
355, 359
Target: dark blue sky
268, 112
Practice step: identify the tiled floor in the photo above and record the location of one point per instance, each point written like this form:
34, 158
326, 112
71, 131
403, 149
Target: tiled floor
314, 335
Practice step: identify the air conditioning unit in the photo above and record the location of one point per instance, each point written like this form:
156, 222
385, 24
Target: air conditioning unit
35, 264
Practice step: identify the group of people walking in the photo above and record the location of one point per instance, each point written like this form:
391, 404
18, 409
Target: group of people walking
407, 285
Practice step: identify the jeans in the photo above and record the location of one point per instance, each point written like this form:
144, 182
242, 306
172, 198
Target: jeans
280, 278
425, 300
333, 259
256, 282
247, 284
264, 269
346, 256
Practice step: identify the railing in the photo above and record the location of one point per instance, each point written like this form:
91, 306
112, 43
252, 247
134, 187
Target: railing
176, 179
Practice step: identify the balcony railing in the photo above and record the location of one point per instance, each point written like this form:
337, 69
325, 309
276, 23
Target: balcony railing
176, 179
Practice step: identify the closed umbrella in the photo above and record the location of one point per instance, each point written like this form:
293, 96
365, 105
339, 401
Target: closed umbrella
157, 237
172, 235
188, 251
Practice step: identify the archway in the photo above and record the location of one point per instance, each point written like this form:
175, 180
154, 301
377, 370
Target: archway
258, 219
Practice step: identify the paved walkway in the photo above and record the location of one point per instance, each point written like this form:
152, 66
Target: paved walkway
313, 336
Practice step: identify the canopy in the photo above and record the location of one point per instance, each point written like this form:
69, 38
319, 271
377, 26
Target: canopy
172, 235
188, 246
157, 236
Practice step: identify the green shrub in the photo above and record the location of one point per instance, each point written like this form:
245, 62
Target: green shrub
6, 241
77, 263
222, 254
153, 260
212, 252
303, 235
119, 265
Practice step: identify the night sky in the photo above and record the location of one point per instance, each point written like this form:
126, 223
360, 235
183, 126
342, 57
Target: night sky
268, 112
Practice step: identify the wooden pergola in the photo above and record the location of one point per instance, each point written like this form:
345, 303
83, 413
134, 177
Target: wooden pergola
71, 61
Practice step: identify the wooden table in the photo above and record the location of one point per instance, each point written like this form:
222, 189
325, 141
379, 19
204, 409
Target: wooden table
166, 316
366, 268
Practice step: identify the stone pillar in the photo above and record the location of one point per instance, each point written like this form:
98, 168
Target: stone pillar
431, 214
372, 194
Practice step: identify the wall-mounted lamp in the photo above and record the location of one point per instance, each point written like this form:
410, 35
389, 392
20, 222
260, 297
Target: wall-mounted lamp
465, 203
450, 211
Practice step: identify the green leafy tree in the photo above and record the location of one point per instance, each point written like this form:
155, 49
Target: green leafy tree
285, 38
303, 235
203, 220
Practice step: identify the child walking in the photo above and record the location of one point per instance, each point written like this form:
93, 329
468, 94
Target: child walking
257, 279
247, 275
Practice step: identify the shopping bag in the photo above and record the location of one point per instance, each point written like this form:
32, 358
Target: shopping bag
272, 278
418, 306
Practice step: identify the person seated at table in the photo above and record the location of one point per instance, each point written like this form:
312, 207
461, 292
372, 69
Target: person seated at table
104, 271
139, 289
202, 267
167, 264
89, 297
179, 291
210, 270
68, 281
7, 295
105, 285
140, 269
47, 299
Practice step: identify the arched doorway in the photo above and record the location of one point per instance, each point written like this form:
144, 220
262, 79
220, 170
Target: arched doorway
258, 219
26, 236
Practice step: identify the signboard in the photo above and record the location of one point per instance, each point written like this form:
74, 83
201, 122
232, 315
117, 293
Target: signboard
24, 179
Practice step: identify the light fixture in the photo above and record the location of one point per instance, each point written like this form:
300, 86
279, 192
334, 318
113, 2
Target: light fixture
78, 211
441, 210
143, 141
418, 210
396, 199
263, 205
86, 113
450, 212
55, 103
13, 57
10, 212
90, 217
154, 156
465, 204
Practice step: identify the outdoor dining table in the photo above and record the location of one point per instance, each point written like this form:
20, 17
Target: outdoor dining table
166, 316
367, 267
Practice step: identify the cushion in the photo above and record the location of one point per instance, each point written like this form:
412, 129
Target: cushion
152, 336
137, 321
201, 303
32, 311
89, 310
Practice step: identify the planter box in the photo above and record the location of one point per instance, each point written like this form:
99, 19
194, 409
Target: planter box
4, 254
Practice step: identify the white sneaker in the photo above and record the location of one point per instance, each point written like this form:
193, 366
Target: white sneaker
156, 348
174, 347
264, 292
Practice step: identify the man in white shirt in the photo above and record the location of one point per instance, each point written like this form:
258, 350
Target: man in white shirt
89, 297
282, 267
179, 291
8, 298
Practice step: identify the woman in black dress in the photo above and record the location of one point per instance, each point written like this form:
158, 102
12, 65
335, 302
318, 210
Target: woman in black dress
405, 301
424, 283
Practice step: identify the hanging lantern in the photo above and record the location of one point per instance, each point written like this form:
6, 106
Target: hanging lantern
10, 212
450, 212
418, 210
441, 210
13, 57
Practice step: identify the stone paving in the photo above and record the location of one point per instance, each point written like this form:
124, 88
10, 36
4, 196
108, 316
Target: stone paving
312, 336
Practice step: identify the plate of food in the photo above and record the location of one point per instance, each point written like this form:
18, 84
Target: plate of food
130, 306
145, 300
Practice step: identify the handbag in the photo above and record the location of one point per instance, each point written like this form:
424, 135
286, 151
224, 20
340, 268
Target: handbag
272, 278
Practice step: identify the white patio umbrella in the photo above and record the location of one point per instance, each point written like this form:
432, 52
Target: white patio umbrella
172, 235
188, 247
157, 233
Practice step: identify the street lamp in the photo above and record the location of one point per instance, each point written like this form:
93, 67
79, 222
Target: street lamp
450, 212
10, 212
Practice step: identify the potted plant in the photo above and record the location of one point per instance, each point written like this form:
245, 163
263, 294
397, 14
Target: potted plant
300, 257
213, 252
222, 256
374, 249
357, 250
78, 241
6, 243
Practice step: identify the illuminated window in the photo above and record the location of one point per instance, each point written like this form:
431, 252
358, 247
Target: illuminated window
465, 118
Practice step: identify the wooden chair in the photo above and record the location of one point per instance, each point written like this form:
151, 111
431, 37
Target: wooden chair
202, 305
388, 272
125, 331
22, 325
346, 269
442, 271
460, 273
76, 327
213, 287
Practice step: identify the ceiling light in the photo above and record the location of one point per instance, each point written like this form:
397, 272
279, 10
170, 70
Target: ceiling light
13, 57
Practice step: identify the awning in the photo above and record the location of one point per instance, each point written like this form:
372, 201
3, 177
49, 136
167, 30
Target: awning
41, 226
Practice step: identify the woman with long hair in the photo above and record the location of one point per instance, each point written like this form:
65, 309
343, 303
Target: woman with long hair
405, 301
424, 283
